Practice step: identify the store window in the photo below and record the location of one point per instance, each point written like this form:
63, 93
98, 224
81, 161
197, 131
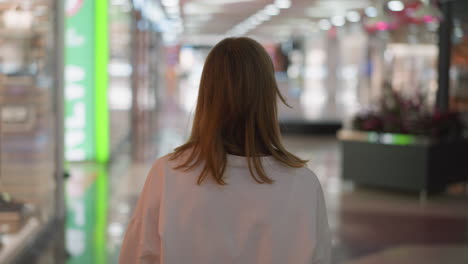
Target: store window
459, 67
29, 138
402, 54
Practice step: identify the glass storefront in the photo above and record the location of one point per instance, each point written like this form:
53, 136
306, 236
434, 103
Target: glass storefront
459, 69
30, 126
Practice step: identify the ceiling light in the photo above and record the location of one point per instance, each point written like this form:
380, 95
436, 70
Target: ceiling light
324, 24
114, 2
371, 11
382, 21
153, 12
222, 2
283, 3
254, 21
262, 16
258, 18
271, 10
353, 16
396, 5
338, 21
345, 4
173, 10
169, 2
193, 8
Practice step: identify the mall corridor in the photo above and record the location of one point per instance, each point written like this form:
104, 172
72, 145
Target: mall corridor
369, 226
92, 92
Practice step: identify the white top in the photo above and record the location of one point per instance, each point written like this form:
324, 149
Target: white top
243, 222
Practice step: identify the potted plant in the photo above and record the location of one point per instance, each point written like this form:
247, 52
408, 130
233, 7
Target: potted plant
404, 145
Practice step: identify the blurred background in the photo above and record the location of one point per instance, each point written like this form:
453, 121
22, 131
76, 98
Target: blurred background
93, 91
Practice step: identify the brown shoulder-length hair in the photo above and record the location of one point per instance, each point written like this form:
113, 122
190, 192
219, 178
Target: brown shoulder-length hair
236, 113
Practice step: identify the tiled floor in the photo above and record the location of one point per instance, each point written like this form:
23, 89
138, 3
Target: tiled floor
369, 226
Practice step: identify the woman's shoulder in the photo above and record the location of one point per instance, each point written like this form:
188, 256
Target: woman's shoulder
308, 174
170, 161
303, 171
164, 161
302, 175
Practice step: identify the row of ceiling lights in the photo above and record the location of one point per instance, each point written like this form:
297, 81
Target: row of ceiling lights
354, 16
351, 16
260, 17
325, 24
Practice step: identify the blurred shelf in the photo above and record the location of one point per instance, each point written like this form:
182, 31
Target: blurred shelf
21, 33
14, 243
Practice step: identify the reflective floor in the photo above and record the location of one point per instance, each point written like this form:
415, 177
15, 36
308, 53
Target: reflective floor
369, 226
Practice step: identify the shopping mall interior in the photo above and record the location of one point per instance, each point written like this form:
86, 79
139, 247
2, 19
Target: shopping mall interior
92, 92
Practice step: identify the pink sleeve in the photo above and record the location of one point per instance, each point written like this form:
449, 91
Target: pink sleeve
142, 243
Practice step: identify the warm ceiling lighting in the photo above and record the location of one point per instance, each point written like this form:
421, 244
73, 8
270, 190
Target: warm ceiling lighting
396, 5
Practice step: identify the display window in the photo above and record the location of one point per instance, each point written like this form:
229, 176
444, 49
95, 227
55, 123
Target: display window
459, 67
406, 58
147, 83
30, 139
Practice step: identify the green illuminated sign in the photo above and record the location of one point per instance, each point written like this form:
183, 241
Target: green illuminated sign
87, 219
101, 81
86, 56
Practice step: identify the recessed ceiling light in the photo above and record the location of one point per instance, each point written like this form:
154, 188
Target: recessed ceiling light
353, 16
271, 10
283, 3
324, 24
169, 2
345, 4
254, 21
396, 5
197, 18
371, 11
173, 10
192, 8
262, 16
222, 2
338, 21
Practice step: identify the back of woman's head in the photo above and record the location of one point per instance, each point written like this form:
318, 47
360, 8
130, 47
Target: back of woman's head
236, 112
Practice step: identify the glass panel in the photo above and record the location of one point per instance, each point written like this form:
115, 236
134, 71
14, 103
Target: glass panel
406, 58
27, 124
